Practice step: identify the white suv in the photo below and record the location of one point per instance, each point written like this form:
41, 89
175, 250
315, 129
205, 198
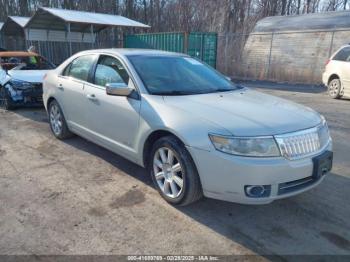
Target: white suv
337, 73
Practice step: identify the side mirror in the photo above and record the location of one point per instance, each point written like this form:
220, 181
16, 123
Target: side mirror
118, 89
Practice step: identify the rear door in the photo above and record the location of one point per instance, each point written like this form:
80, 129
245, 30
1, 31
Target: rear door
70, 94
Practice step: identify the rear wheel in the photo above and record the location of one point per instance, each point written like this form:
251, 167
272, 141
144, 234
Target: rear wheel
58, 123
174, 173
334, 88
5, 99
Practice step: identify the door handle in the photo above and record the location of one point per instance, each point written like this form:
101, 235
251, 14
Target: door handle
60, 87
91, 97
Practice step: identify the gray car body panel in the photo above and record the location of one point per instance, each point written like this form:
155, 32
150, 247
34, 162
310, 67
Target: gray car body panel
258, 114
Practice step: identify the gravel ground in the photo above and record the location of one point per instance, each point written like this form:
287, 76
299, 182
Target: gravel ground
73, 197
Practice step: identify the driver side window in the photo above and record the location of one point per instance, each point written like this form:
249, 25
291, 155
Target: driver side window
110, 70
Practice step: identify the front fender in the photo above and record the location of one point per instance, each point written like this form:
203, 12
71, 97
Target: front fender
155, 115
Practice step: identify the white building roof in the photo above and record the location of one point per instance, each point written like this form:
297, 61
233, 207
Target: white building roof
20, 20
315, 21
14, 25
58, 18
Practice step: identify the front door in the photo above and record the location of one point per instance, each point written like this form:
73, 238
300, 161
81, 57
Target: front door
341, 61
346, 77
113, 120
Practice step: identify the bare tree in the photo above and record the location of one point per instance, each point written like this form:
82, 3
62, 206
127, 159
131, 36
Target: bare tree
183, 15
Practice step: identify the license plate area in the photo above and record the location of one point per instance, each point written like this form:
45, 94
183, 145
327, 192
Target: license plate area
322, 164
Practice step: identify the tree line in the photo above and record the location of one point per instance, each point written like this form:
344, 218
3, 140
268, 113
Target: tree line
228, 16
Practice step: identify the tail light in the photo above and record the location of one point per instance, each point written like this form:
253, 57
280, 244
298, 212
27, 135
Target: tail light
327, 62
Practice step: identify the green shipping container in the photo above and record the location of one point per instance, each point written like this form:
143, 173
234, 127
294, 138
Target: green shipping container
196, 44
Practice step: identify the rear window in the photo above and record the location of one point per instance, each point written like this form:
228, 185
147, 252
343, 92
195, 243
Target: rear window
343, 54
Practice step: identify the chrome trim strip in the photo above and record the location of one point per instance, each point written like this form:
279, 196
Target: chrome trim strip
296, 184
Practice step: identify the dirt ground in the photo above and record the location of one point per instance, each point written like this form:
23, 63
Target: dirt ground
75, 197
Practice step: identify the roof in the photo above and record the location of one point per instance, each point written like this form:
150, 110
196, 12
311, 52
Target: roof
133, 51
317, 21
20, 20
14, 25
17, 54
56, 19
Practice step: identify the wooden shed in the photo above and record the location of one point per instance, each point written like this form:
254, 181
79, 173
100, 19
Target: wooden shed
294, 48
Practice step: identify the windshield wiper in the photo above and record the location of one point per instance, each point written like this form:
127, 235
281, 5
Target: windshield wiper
223, 90
236, 87
175, 93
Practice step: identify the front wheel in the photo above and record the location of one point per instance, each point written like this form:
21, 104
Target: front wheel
174, 173
334, 88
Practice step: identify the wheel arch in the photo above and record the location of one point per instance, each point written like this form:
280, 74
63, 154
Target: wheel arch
151, 139
332, 77
49, 100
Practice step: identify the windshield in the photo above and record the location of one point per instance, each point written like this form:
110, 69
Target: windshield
175, 75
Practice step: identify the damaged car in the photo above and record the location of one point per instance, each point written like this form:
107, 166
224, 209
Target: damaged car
21, 78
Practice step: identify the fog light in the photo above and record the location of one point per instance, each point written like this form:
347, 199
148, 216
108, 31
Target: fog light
257, 191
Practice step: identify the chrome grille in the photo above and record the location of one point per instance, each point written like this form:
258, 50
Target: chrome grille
303, 143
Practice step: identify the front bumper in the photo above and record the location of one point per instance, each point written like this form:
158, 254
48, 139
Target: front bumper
26, 97
224, 176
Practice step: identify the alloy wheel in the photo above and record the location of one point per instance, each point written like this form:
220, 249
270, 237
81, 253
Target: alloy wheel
56, 119
168, 172
334, 88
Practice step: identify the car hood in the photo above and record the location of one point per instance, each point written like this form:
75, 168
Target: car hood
247, 112
32, 76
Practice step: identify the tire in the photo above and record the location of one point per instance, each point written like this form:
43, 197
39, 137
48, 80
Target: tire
5, 100
334, 88
57, 121
167, 173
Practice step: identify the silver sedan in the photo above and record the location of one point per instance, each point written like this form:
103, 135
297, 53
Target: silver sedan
194, 130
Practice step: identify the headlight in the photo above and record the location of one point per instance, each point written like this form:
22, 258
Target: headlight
20, 85
246, 146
